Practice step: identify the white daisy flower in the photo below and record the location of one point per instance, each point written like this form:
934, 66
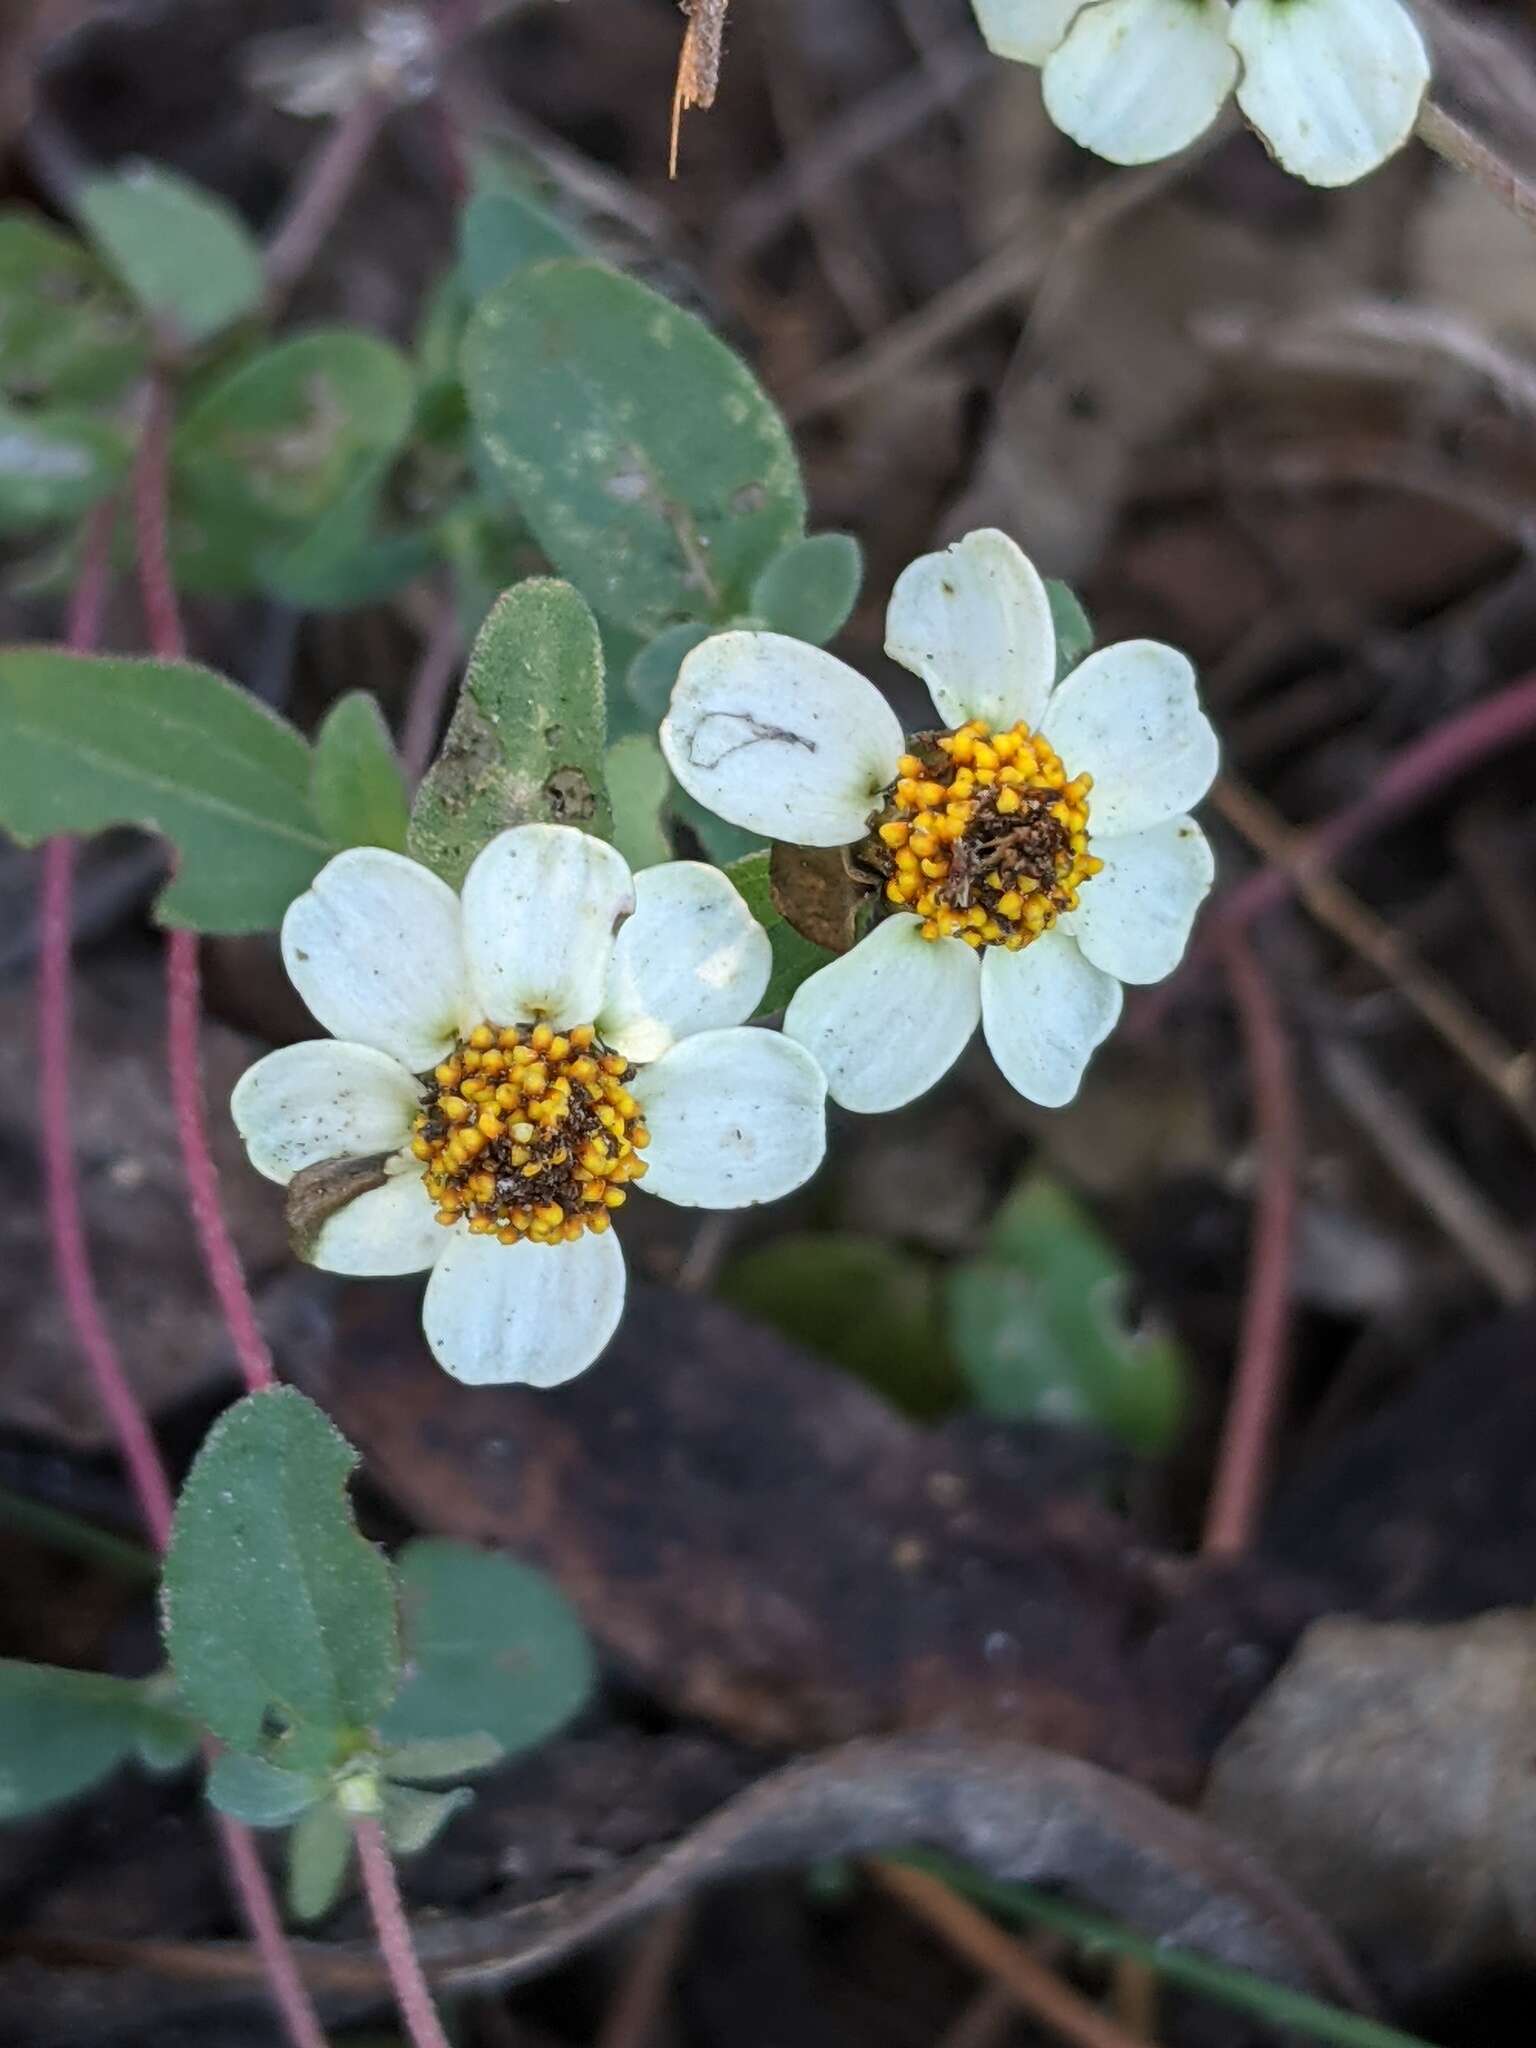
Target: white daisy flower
1033, 855
1334, 87
514, 1060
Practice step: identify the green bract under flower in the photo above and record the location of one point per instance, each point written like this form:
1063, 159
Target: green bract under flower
1333, 86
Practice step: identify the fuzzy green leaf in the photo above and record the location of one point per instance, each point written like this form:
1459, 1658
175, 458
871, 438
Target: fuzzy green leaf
651, 465
357, 785
69, 334
88, 741
795, 959
319, 1851
526, 742
276, 1609
63, 1731
185, 255
811, 589
413, 1819
503, 230
261, 1794
492, 1646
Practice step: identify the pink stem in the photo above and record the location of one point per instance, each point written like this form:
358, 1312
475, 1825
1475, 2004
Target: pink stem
288, 1991
167, 638
1259, 1383
327, 184
413, 1996
429, 690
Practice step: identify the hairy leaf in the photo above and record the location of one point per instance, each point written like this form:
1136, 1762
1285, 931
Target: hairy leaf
184, 253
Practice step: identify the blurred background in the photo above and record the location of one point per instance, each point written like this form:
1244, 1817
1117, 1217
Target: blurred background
929, 1450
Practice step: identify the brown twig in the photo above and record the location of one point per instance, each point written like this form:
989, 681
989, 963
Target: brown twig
1263, 1351
1451, 139
962, 1927
632, 2018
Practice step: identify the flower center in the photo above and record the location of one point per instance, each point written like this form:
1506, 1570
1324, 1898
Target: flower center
530, 1133
984, 836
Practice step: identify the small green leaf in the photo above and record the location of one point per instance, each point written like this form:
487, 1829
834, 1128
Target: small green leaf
503, 230
345, 560
1040, 1330
447, 1756
651, 465
652, 674
865, 1304
68, 332
54, 466
262, 1795
63, 1731
291, 432
526, 742
88, 741
357, 785
319, 1851
186, 256
413, 1818
811, 589
794, 959
1074, 628
638, 783
492, 1646
276, 1609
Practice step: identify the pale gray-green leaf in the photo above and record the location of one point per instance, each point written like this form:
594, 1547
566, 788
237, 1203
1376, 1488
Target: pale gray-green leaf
62, 1732
55, 465
810, 590
88, 741
651, 465
526, 742
413, 1818
652, 674
319, 1851
69, 334
276, 1609
638, 785
261, 1794
435, 1758
1074, 628
184, 253
357, 785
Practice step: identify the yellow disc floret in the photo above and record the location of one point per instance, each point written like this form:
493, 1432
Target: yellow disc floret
984, 836
530, 1133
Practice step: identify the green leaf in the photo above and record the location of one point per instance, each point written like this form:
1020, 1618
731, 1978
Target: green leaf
54, 466
794, 959
504, 230
186, 256
638, 784
63, 1731
344, 561
652, 674
653, 468
357, 785
319, 1851
68, 332
413, 1819
275, 1606
810, 590
527, 738
1040, 1329
438, 1757
261, 1794
1074, 628
492, 1647
291, 433
88, 741
862, 1303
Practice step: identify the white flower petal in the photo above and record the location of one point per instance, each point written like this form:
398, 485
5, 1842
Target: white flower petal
324, 1099
1130, 717
1025, 30
1137, 80
692, 958
735, 1117
890, 1018
781, 738
534, 1314
1133, 920
374, 948
1043, 1011
1333, 86
541, 905
975, 623
391, 1229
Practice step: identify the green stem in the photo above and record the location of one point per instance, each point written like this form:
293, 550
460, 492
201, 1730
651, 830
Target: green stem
61, 1531
1275, 2004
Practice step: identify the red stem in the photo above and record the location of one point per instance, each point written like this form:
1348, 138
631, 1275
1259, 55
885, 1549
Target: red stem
413, 1995
1263, 1355
287, 1988
167, 638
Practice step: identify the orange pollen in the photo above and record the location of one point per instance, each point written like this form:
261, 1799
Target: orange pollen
984, 836
529, 1133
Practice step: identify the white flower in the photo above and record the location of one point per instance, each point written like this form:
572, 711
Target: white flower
514, 1059
1333, 86
999, 912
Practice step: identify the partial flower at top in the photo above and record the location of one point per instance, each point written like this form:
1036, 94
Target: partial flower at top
1334, 87
504, 1067
1032, 855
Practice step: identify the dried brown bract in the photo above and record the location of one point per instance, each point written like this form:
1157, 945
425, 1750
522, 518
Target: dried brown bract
698, 64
